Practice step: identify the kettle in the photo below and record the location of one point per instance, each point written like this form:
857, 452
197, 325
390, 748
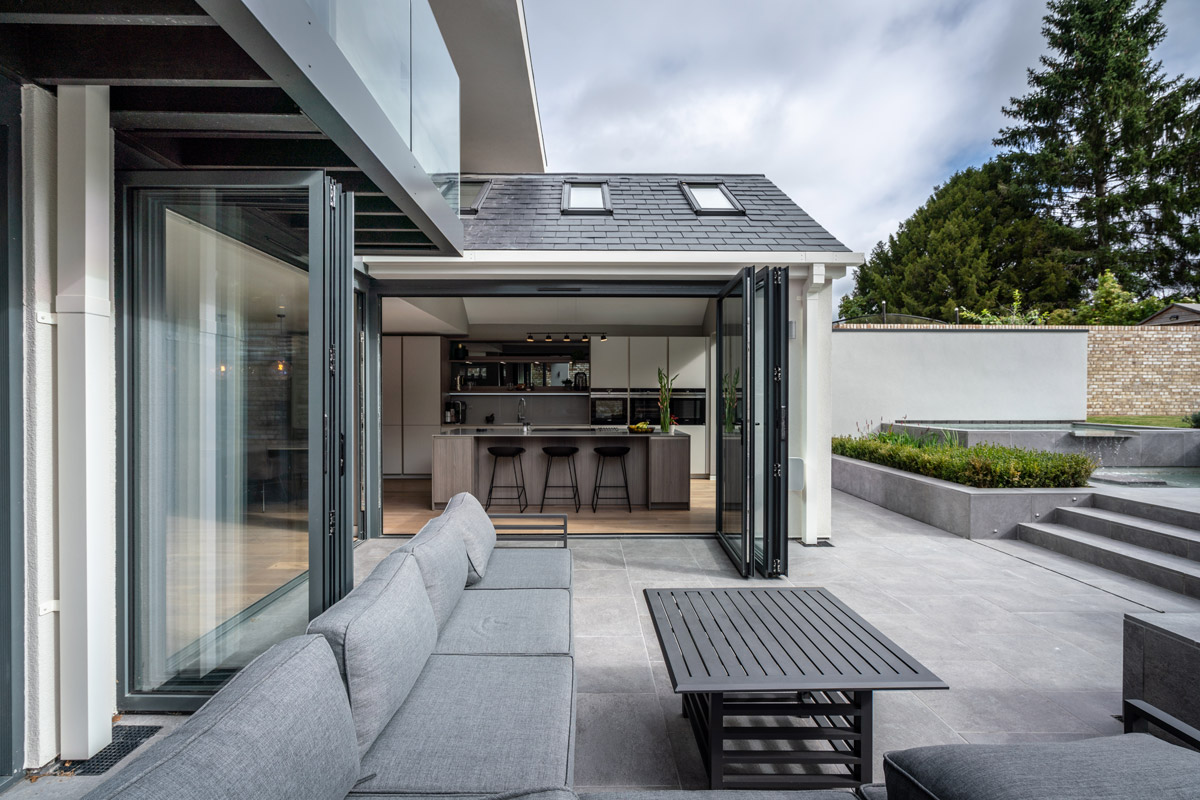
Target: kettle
581, 381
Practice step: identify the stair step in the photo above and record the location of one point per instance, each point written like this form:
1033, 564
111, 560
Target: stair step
1175, 573
1174, 540
1143, 509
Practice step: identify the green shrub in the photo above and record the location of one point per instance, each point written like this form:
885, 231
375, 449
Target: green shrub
1193, 420
984, 466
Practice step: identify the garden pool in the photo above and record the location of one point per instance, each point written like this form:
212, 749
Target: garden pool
1149, 477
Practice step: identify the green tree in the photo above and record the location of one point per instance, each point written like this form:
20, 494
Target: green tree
974, 242
1111, 145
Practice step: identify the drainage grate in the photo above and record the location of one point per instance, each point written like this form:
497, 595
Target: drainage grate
126, 739
820, 543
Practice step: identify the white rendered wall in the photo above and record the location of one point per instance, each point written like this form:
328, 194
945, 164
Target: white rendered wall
978, 374
810, 308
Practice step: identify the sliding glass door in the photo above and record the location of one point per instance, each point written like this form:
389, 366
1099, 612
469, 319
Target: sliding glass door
752, 421
236, 323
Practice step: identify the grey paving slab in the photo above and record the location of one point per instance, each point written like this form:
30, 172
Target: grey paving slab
622, 740
602, 583
1002, 710
612, 664
586, 558
605, 616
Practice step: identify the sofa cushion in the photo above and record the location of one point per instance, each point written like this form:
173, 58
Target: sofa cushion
381, 634
1107, 768
281, 728
478, 724
719, 794
469, 518
546, 793
528, 568
442, 558
517, 622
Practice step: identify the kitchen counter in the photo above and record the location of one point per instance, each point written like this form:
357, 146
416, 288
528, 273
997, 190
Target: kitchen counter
658, 464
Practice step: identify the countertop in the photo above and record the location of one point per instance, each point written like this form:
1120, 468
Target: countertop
550, 431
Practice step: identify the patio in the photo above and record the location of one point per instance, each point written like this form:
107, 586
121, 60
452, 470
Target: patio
1029, 641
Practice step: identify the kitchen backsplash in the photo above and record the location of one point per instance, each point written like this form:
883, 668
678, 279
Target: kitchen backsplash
544, 409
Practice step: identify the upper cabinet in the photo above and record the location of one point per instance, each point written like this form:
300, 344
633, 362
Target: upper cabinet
646, 355
688, 357
610, 363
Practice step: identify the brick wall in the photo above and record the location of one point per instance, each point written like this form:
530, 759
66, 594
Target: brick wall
1143, 370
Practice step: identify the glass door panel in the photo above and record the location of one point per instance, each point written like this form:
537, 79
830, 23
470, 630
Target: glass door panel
734, 448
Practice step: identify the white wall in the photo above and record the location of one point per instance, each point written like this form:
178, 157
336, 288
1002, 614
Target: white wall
978, 374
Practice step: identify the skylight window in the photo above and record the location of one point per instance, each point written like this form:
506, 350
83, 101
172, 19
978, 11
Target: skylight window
582, 197
471, 195
711, 198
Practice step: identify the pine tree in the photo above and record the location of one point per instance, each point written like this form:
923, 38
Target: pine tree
1111, 145
974, 242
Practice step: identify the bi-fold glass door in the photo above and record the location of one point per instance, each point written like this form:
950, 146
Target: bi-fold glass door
236, 406
752, 390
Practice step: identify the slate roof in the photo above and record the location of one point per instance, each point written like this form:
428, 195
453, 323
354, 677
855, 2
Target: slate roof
650, 212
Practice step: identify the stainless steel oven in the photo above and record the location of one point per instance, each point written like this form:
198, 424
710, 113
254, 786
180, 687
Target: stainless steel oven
610, 408
687, 407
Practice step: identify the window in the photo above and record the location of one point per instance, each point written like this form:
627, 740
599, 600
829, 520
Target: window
711, 198
580, 197
471, 195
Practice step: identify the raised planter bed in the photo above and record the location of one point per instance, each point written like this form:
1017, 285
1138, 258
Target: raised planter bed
962, 510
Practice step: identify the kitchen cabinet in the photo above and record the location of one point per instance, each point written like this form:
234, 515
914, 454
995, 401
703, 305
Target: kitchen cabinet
418, 448
699, 456
610, 363
391, 380
646, 355
422, 365
668, 465
392, 445
688, 358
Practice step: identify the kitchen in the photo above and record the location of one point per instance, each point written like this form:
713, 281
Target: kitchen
540, 399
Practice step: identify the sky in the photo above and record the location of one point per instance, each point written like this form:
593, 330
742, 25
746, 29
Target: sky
856, 109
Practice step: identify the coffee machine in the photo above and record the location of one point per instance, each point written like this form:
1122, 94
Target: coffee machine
455, 413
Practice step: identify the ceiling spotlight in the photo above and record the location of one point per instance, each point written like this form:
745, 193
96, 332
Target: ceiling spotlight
529, 337
549, 338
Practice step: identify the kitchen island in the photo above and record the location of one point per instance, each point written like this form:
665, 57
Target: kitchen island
658, 464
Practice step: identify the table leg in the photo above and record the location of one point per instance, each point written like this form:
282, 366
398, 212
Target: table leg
716, 740
865, 728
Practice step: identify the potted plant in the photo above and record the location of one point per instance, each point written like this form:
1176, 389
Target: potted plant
665, 384
729, 392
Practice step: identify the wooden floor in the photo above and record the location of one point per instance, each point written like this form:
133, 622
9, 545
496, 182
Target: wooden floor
406, 507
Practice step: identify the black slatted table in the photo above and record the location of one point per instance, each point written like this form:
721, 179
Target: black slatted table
798, 663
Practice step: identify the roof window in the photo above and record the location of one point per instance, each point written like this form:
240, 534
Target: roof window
711, 198
586, 197
471, 195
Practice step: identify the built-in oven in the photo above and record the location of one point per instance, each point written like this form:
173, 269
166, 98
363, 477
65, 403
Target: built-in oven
687, 407
643, 407
610, 408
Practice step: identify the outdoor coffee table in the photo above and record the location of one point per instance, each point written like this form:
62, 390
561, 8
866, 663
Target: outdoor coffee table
799, 654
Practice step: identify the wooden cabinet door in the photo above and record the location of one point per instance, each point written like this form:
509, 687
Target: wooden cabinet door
610, 363
687, 356
646, 355
670, 471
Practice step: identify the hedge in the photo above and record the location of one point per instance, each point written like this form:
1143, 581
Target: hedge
984, 466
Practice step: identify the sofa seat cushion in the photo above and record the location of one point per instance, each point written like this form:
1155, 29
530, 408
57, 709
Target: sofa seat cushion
279, 730
546, 793
464, 514
381, 634
528, 568
1106, 768
514, 622
442, 558
718, 794
478, 725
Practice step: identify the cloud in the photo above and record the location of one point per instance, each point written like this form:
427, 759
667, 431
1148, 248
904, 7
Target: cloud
856, 109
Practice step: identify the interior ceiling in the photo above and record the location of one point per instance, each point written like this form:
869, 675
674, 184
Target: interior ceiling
547, 314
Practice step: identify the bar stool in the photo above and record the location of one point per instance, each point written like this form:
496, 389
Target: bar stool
606, 452
518, 467
567, 454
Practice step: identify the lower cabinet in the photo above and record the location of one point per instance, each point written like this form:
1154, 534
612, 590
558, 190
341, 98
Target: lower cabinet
392, 444
699, 440
418, 448
670, 483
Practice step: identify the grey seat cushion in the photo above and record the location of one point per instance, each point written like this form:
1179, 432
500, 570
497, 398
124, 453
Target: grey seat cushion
548, 793
381, 634
1107, 768
468, 517
281, 729
442, 558
719, 794
528, 568
872, 791
478, 725
518, 621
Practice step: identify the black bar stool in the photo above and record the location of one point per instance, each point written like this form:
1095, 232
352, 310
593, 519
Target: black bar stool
518, 468
566, 454
606, 452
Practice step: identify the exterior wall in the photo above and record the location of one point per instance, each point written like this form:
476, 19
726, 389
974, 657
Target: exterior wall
886, 373
1152, 369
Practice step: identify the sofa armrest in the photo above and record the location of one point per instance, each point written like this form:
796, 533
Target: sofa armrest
531, 527
1138, 713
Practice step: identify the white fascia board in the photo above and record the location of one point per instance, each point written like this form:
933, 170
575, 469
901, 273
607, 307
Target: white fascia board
537, 114
602, 264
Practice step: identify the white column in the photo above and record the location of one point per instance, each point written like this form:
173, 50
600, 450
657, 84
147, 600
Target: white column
85, 411
811, 400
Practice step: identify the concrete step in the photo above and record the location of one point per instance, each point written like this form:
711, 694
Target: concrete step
1175, 573
1165, 538
1142, 507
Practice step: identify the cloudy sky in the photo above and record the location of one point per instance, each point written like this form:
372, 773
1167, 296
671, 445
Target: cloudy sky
855, 108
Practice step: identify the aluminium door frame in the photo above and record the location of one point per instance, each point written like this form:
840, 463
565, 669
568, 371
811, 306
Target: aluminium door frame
744, 560
321, 576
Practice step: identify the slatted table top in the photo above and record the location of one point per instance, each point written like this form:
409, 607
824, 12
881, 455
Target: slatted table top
776, 639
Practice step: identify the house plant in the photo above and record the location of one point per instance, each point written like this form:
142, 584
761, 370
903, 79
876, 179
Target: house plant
665, 385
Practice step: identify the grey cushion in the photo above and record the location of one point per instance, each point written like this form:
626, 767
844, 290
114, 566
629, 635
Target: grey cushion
442, 557
468, 517
548, 793
478, 724
528, 568
517, 621
280, 729
719, 794
381, 634
1107, 768
872, 791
